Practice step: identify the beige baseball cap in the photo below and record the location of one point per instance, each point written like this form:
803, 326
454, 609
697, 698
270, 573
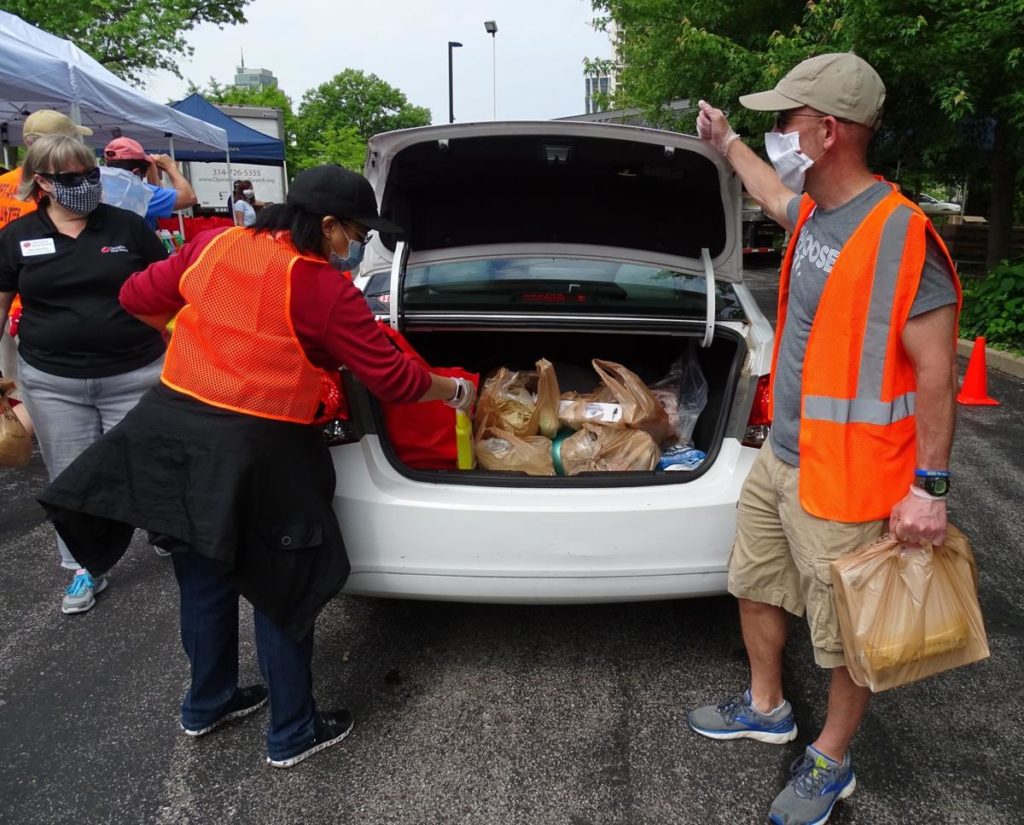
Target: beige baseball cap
839, 84
49, 122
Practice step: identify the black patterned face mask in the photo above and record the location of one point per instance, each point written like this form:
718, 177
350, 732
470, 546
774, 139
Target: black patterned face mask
81, 199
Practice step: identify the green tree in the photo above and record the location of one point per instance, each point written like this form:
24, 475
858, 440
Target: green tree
337, 118
133, 38
238, 96
953, 69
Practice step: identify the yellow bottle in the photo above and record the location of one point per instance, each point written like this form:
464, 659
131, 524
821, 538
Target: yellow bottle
466, 460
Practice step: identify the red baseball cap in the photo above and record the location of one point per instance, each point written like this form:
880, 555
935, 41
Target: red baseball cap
123, 148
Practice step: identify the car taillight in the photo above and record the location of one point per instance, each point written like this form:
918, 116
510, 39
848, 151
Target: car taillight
760, 423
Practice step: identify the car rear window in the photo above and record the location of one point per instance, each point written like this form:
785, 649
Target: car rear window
557, 285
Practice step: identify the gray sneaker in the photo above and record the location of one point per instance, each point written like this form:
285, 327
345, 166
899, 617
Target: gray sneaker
737, 718
816, 785
81, 593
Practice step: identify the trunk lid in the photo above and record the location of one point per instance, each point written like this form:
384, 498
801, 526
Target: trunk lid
561, 187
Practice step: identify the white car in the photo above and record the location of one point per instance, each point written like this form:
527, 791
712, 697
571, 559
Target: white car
569, 241
933, 206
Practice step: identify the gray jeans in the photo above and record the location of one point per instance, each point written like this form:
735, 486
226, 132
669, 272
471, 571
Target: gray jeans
71, 413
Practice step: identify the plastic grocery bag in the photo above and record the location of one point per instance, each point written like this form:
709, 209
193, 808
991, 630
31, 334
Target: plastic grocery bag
604, 449
498, 449
683, 392
548, 397
123, 189
640, 409
907, 612
507, 401
15, 442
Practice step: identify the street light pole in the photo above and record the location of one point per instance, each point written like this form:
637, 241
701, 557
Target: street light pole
451, 87
492, 29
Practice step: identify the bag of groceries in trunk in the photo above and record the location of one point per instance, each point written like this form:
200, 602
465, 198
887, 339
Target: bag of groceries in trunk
423, 434
908, 612
499, 449
607, 449
622, 402
521, 402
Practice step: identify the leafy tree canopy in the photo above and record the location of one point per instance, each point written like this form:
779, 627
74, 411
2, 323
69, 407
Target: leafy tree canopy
954, 71
130, 39
238, 96
337, 118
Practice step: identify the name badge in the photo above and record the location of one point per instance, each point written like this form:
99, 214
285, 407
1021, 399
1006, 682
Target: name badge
42, 246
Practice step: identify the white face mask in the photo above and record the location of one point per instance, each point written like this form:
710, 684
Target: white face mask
790, 163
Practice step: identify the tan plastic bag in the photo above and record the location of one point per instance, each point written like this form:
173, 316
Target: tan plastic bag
507, 402
906, 613
498, 449
640, 409
548, 396
603, 449
15, 442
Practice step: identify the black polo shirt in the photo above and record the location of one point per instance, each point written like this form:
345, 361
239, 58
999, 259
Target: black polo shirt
73, 324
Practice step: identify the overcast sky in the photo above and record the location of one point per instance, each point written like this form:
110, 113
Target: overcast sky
539, 52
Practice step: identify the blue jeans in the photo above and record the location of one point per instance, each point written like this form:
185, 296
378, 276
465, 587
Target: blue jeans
69, 414
209, 634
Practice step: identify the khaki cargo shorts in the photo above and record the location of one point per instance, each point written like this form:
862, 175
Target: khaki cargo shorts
782, 553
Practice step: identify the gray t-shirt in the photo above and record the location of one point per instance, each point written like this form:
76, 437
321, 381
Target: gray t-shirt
818, 246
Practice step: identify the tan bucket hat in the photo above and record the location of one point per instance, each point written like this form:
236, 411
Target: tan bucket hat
839, 84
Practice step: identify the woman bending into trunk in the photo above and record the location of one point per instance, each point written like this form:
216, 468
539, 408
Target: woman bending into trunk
220, 461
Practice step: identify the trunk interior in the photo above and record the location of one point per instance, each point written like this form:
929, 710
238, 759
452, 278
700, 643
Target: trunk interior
649, 355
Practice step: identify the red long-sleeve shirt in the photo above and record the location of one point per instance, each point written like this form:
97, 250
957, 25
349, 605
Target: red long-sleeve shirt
330, 316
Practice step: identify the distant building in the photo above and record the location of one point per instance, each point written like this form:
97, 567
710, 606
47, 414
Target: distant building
633, 117
604, 83
250, 78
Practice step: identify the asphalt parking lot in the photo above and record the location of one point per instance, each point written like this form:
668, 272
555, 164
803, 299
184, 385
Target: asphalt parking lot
494, 714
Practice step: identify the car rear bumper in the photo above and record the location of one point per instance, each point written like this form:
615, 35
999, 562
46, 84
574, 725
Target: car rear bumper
414, 539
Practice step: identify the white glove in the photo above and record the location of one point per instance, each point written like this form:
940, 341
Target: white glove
465, 395
713, 127
919, 518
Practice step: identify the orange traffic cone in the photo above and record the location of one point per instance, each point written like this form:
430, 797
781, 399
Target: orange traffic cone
975, 387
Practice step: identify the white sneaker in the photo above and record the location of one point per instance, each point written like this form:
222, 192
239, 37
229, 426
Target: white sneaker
81, 593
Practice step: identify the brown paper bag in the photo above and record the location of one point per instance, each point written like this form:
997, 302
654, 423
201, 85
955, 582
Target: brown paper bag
548, 396
15, 442
908, 612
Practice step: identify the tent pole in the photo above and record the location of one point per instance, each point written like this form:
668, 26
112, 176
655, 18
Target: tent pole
181, 218
284, 173
231, 189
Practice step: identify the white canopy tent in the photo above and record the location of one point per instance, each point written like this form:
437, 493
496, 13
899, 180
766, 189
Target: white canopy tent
41, 71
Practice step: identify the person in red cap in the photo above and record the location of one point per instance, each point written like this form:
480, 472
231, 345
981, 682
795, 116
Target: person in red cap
125, 153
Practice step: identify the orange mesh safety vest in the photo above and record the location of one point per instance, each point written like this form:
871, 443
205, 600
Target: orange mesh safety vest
234, 345
11, 209
857, 430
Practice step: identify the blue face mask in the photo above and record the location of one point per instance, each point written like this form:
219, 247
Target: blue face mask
355, 255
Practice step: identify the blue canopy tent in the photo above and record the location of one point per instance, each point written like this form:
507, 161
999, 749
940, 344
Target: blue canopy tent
244, 144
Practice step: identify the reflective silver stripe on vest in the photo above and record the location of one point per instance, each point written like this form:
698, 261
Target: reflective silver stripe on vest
858, 410
867, 407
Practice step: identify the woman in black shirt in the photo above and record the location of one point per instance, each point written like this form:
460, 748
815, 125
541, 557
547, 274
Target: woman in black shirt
83, 361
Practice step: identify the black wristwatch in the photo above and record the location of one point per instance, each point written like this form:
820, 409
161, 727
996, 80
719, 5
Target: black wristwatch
933, 482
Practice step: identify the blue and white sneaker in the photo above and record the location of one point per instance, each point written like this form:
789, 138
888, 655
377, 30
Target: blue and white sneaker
816, 785
737, 718
81, 593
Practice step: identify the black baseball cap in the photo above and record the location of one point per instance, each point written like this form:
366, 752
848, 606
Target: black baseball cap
335, 190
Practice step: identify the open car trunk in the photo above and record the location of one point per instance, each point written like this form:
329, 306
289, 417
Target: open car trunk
648, 354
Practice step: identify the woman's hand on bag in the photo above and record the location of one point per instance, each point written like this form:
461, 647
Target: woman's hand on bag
920, 520
463, 395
